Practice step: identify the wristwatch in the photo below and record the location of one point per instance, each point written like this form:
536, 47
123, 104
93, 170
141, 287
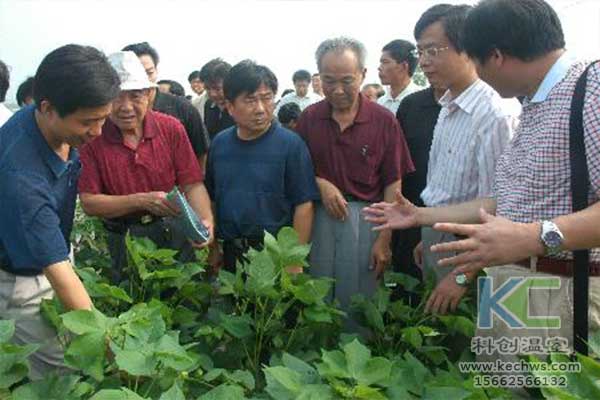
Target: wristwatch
552, 238
461, 279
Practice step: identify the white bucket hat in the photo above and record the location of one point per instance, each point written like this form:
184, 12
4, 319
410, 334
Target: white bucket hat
130, 71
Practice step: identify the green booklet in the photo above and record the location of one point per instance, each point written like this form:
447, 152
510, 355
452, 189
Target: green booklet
187, 219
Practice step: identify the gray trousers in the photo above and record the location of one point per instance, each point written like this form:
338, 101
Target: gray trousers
429, 237
20, 299
341, 250
164, 233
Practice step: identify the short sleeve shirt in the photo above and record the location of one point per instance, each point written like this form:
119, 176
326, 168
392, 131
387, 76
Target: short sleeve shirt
361, 161
257, 184
163, 158
534, 173
37, 200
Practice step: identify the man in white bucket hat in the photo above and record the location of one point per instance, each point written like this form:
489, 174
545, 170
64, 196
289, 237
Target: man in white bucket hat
140, 157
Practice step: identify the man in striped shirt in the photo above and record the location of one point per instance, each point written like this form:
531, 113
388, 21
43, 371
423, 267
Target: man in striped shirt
534, 230
473, 128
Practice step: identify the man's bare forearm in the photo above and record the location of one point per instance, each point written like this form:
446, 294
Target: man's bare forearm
463, 213
581, 228
107, 206
303, 219
67, 286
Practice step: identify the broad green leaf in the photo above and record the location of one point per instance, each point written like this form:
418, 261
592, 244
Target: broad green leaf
307, 373
317, 313
458, 324
357, 356
136, 362
172, 354
224, 392
315, 392
261, 273
100, 290
174, 393
7, 330
51, 310
87, 353
413, 336
375, 371
237, 326
52, 387
244, 378
374, 316
282, 382
85, 321
312, 291
333, 365
213, 374
381, 300
291, 251
408, 282
13, 363
445, 393
116, 394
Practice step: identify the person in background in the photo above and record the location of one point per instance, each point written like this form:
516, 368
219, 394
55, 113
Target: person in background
315, 82
216, 116
141, 155
288, 115
166, 103
301, 95
249, 194
360, 155
5, 113
373, 91
396, 67
171, 87
25, 93
201, 95
39, 169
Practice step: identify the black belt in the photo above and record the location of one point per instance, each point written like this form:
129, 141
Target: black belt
351, 198
122, 224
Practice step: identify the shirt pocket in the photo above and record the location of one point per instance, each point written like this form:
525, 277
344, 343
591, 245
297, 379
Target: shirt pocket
364, 164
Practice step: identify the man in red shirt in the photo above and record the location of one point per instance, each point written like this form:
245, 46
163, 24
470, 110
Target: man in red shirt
359, 154
127, 171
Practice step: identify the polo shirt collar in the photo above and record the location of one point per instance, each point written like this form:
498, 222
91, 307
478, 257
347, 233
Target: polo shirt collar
49, 156
556, 74
465, 101
363, 115
149, 128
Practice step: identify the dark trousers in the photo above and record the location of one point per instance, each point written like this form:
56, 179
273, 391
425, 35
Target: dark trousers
403, 245
234, 251
163, 232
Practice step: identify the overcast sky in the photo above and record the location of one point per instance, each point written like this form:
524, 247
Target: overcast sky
282, 34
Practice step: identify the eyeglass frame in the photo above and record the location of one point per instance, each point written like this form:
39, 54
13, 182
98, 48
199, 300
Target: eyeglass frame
430, 52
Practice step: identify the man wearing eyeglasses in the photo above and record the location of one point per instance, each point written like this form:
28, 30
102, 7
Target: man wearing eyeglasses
360, 155
474, 126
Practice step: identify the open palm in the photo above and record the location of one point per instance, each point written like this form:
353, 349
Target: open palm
401, 214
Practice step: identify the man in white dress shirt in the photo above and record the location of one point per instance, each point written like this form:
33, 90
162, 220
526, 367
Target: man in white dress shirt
301, 96
396, 67
474, 126
5, 113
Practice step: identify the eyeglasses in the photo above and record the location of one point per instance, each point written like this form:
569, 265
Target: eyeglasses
430, 52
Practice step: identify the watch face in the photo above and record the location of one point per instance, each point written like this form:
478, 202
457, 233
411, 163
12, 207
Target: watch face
461, 279
552, 239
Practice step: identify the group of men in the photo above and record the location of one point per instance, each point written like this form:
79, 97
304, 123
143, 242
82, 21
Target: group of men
460, 172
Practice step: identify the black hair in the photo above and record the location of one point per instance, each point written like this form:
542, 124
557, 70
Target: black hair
289, 112
143, 48
380, 90
452, 19
194, 75
402, 51
301, 75
176, 89
213, 71
73, 77
245, 77
525, 29
24, 91
4, 81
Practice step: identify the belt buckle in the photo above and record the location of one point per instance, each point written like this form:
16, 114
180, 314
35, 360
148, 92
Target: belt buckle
146, 219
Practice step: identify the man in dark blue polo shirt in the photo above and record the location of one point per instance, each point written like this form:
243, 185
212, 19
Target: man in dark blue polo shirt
259, 174
39, 168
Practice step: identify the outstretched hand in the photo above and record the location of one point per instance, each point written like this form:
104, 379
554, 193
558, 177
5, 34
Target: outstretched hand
401, 214
496, 241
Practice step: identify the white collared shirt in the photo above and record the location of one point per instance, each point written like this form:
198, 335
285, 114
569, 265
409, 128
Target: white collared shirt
471, 132
5, 114
302, 102
392, 103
